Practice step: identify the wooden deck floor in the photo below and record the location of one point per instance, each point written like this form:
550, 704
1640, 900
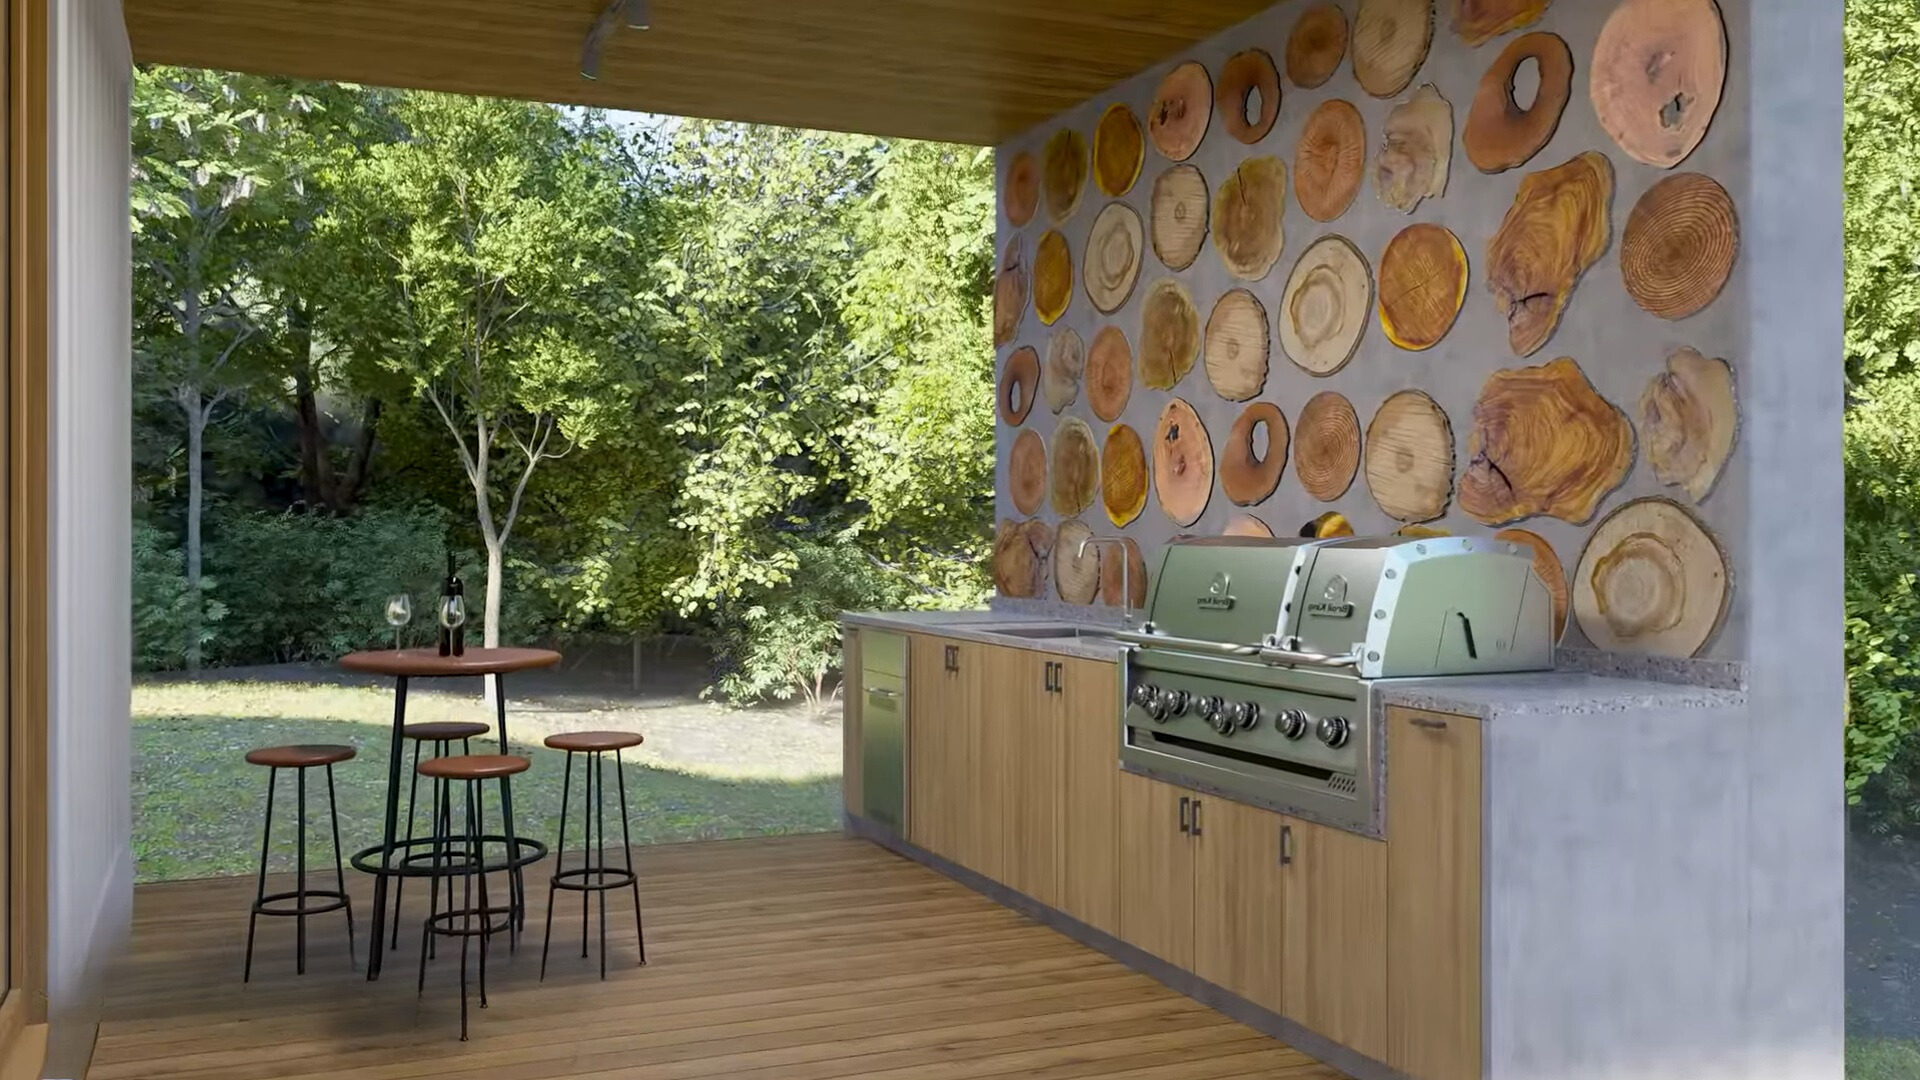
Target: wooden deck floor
775, 959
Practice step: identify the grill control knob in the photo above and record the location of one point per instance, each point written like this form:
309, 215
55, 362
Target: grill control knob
1209, 706
1291, 722
1223, 723
1246, 715
1175, 702
1334, 730
1144, 694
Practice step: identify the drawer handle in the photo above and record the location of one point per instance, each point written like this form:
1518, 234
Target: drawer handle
1195, 831
882, 692
1185, 826
1286, 845
1429, 724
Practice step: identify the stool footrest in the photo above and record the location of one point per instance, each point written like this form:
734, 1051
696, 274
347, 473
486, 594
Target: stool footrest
441, 924
334, 899
576, 880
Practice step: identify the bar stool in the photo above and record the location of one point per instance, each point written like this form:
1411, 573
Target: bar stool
586, 878
299, 759
442, 734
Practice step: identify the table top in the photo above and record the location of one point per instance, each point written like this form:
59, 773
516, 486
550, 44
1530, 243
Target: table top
429, 664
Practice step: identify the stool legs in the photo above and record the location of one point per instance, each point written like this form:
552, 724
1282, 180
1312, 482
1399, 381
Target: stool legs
626, 838
336, 898
467, 860
592, 876
559, 853
340, 871
260, 890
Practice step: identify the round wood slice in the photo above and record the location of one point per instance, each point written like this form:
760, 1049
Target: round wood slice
1109, 373
1133, 579
1415, 150
1316, 46
1480, 21
1182, 107
1658, 71
1423, 282
1052, 277
1119, 150
1255, 454
1326, 305
1248, 97
1075, 467
1247, 525
1063, 173
1237, 346
1169, 335
1410, 457
1330, 160
1390, 42
1019, 382
1544, 442
1076, 567
1009, 295
1020, 558
1021, 193
1679, 245
1327, 526
1066, 360
1559, 224
1027, 472
1179, 216
1500, 135
1688, 419
1182, 463
1652, 580
1546, 564
1123, 475
1326, 446
1247, 212
1112, 262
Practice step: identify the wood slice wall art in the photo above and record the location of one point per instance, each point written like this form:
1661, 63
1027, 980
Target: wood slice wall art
1421, 532
1066, 361
1547, 566
1688, 420
1652, 580
1109, 373
1182, 463
1255, 454
1076, 564
1409, 458
1480, 21
1325, 306
1544, 442
1179, 216
1133, 580
1679, 245
1416, 148
1119, 150
1237, 346
1075, 467
1052, 277
1247, 212
1009, 295
1326, 446
1500, 135
1316, 46
1020, 550
1658, 72
1063, 173
1182, 108
1248, 97
1113, 254
1423, 282
1020, 195
1390, 42
1169, 335
1330, 160
1558, 226
1247, 525
1327, 526
1019, 382
1027, 472
1123, 475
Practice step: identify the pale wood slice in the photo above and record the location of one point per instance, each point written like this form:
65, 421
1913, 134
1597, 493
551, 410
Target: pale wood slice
1658, 72
1500, 135
1066, 361
1182, 108
1480, 21
1255, 454
1119, 150
1547, 566
1133, 580
1182, 463
1326, 446
1248, 96
1169, 335
1063, 173
1123, 475
1688, 419
1021, 193
1247, 212
1237, 346
1559, 224
1027, 472
1415, 150
1074, 468
1544, 442
1679, 245
1410, 457
1247, 525
1423, 282
1019, 567
1076, 569
1327, 526
1052, 277
1390, 42
1326, 305
1330, 160
1179, 216
1019, 383
1652, 580
1009, 295
1112, 262
1109, 373
1316, 46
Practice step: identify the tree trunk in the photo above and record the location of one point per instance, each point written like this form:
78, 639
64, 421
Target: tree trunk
315, 477
196, 434
495, 570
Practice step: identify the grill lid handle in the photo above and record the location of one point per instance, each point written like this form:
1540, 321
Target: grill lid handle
1270, 653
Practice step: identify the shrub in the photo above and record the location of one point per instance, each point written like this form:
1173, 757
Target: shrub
162, 602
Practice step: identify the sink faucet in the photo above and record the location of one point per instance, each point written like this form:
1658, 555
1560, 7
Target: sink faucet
1126, 584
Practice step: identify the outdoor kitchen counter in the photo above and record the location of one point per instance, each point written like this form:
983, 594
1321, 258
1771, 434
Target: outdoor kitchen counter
1553, 693
985, 627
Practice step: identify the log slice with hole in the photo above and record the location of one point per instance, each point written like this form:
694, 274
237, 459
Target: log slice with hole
1500, 135
1180, 208
1679, 245
1109, 373
1544, 442
1169, 335
1182, 108
1330, 160
1019, 383
1119, 150
1658, 72
1316, 46
1075, 467
1248, 476
1237, 346
1652, 580
1409, 458
1390, 42
1416, 149
1123, 475
1247, 214
1688, 420
1244, 75
1182, 463
1027, 472
1559, 225
1423, 282
1326, 446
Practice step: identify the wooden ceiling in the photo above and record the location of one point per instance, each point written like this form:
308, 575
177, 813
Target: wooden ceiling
971, 71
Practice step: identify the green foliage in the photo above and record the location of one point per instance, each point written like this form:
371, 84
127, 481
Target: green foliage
163, 608
1882, 168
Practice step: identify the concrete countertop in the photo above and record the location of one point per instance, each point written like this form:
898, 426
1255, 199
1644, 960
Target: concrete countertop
987, 628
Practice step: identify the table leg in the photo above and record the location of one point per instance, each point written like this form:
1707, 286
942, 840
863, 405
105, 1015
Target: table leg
516, 883
392, 823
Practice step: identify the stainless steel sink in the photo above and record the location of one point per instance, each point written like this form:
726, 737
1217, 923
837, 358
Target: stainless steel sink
1089, 633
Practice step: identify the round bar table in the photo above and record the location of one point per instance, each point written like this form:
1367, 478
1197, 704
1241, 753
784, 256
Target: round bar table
403, 665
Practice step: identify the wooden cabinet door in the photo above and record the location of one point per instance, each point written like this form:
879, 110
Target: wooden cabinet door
1156, 869
1335, 955
1433, 877
1239, 901
1089, 790
1027, 729
971, 717
932, 767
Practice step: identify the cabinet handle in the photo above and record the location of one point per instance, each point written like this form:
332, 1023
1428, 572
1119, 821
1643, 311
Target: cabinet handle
1059, 677
1185, 827
1051, 686
953, 658
1429, 724
1286, 845
1195, 831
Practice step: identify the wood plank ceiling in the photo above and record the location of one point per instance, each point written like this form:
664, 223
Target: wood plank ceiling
971, 71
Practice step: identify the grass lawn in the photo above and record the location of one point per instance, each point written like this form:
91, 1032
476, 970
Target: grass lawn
1882, 1059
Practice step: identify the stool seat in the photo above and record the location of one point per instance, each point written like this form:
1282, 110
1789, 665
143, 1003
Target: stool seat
299, 757
474, 767
446, 730
594, 742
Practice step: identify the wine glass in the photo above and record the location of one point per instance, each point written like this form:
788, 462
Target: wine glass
453, 613
399, 614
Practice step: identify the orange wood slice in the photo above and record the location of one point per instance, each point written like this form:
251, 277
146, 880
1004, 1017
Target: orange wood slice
1248, 96
1169, 335
1500, 135
1390, 42
1020, 195
1416, 150
1246, 525
1658, 72
1066, 360
1020, 550
1027, 472
1019, 382
1255, 454
1326, 446
1113, 256
1544, 442
1327, 526
1119, 150
1559, 225
1063, 173
1052, 277
1247, 213
1420, 532
1123, 475
1688, 420
1547, 566
1679, 245
1133, 580
1316, 46
1423, 282
1330, 160
1652, 580
1179, 216
1326, 305
1075, 467
1109, 373
1410, 458
1182, 108
1480, 21
1076, 564
1009, 295
1237, 346
1182, 463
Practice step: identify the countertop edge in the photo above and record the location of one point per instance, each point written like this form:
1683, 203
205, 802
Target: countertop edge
980, 626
